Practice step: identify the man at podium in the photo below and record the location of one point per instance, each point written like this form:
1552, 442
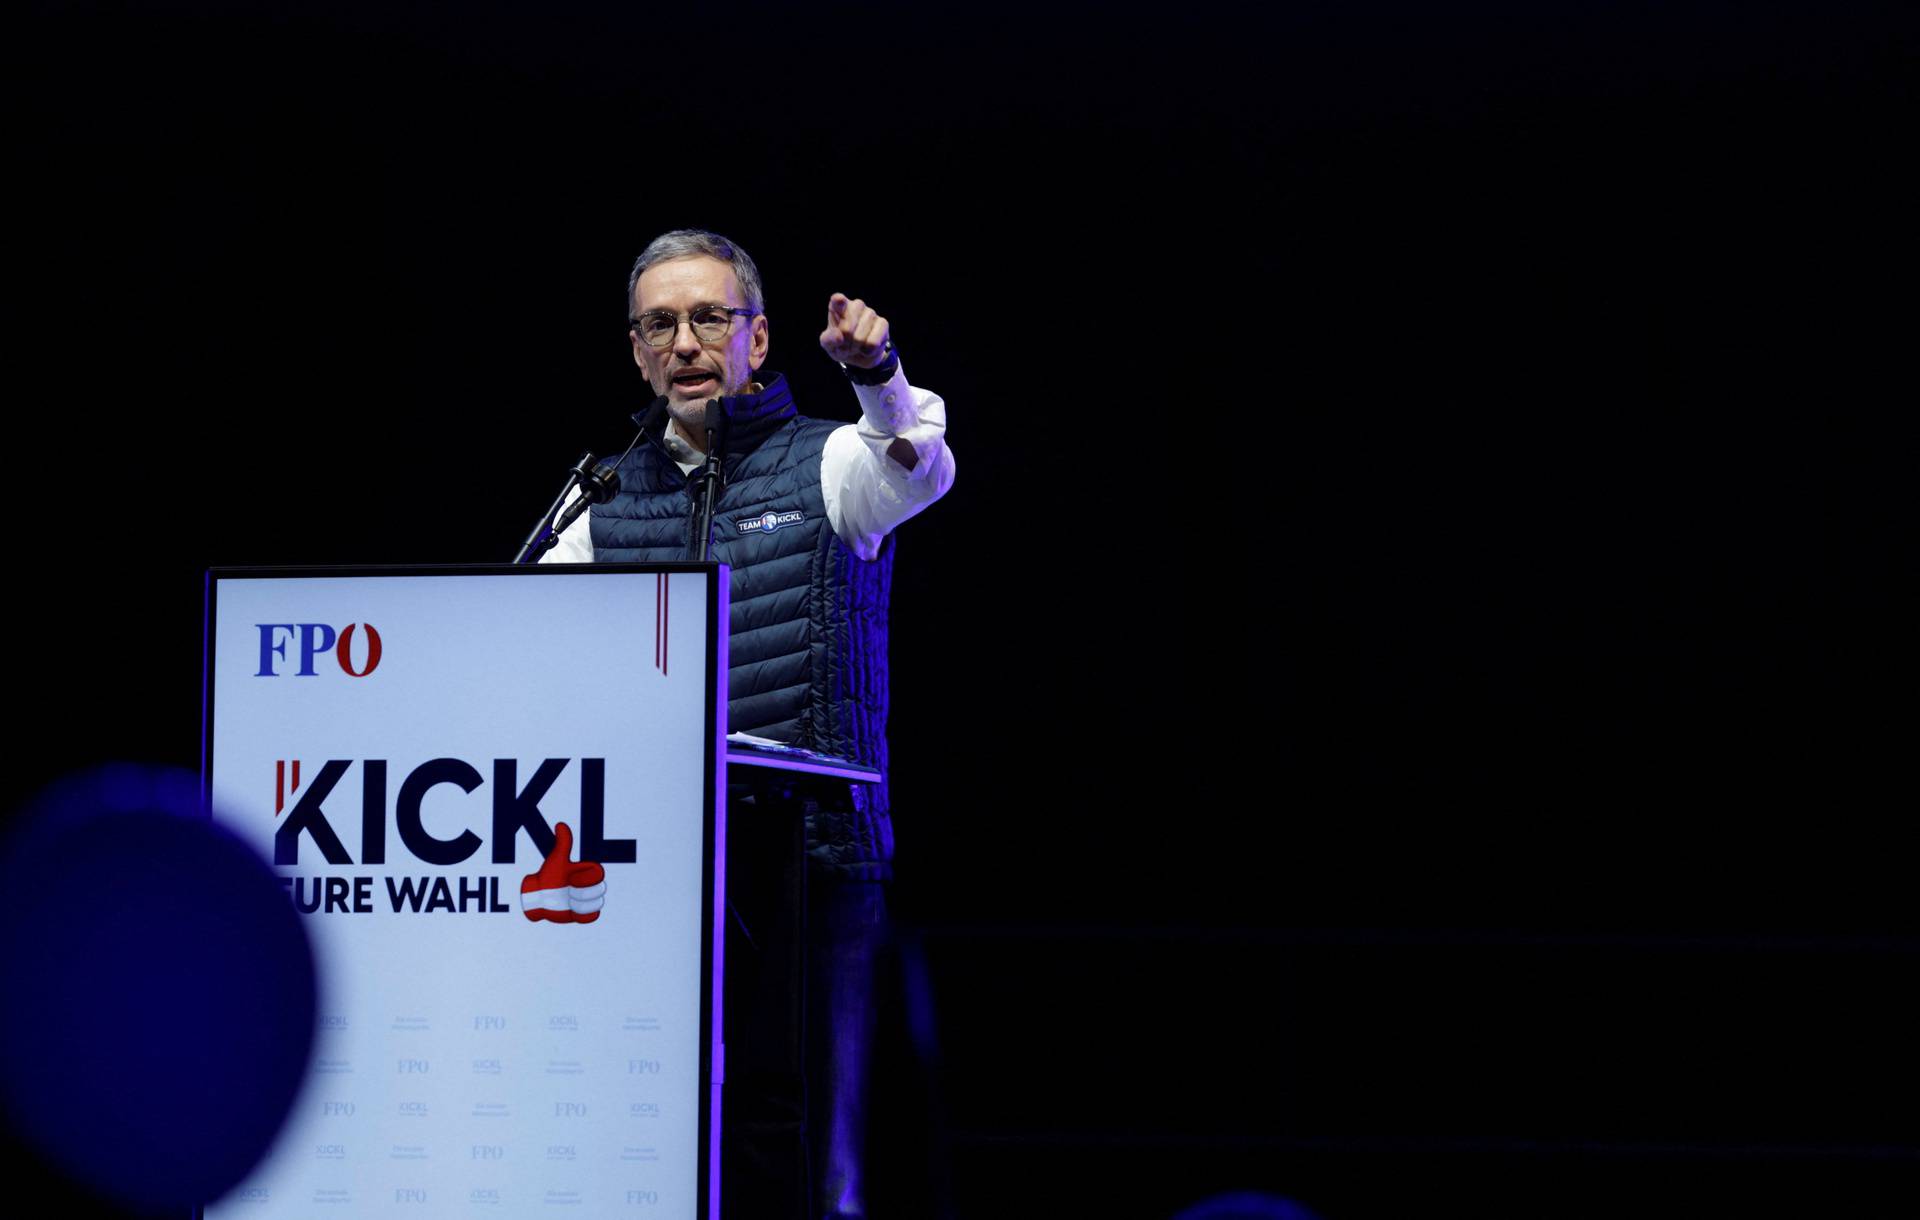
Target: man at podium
804, 519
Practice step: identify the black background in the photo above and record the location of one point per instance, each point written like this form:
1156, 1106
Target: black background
1400, 707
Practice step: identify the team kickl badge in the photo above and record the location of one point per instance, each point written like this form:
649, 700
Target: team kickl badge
564, 891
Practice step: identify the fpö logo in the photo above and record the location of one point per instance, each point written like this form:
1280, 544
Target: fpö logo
312, 641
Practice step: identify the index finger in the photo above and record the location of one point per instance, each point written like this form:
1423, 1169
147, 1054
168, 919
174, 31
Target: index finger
837, 307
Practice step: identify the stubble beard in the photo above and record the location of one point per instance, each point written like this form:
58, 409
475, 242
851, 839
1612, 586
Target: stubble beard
691, 413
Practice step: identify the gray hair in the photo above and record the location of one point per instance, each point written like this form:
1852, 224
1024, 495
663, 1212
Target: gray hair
687, 243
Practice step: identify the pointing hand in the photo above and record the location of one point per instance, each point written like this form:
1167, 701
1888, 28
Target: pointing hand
855, 334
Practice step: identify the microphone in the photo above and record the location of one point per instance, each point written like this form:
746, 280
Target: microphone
649, 419
597, 486
717, 421
595, 483
711, 475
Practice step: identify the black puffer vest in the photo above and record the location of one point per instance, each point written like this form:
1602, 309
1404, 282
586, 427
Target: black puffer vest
807, 659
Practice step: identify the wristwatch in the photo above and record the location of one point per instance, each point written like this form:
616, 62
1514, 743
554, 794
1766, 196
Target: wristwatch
879, 374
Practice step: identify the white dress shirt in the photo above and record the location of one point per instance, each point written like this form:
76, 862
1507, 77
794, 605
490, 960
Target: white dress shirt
868, 493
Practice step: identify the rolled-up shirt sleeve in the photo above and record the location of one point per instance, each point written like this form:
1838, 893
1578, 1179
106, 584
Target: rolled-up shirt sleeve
869, 491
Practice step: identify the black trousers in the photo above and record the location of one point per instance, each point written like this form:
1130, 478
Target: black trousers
798, 1016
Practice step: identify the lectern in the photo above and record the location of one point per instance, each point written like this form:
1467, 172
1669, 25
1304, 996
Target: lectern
497, 794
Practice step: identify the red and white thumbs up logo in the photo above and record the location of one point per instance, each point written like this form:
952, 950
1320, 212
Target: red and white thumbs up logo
563, 891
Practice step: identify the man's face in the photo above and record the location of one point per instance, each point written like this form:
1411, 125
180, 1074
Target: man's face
686, 370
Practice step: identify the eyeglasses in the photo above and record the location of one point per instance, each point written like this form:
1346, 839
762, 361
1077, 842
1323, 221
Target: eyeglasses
710, 324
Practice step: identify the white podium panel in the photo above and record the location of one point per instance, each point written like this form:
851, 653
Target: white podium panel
494, 794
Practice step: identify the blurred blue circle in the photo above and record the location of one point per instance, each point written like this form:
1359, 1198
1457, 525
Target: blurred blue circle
1246, 1205
161, 990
